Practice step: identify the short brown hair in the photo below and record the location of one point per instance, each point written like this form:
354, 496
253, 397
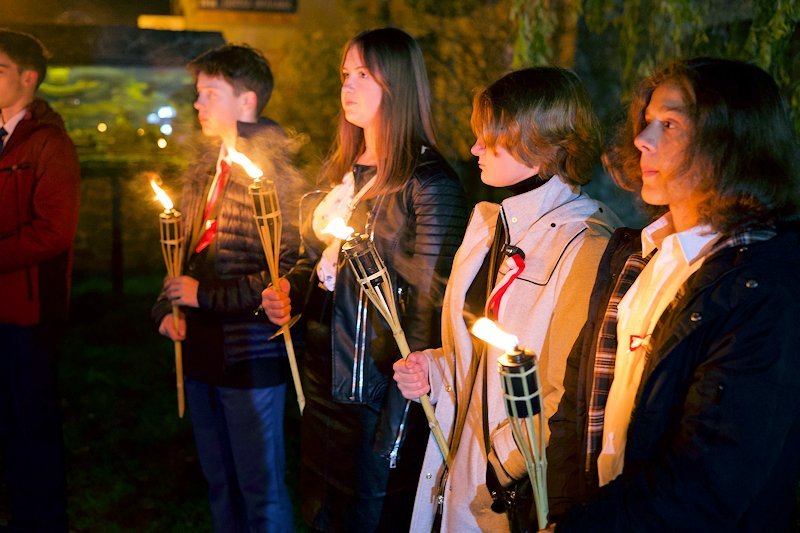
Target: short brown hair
26, 51
543, 116
241, 65
742, 139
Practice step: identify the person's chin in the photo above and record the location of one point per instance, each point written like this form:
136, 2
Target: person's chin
353, 119
488, 180
207, 130
651, 198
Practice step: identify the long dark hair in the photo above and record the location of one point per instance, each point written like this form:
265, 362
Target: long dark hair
742, 140
395, 60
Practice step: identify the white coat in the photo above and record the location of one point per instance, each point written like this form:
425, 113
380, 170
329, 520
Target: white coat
563, 234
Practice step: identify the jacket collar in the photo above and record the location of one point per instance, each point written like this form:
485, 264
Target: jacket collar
553, 203
693, 243
534, 204
251, 129
727, 256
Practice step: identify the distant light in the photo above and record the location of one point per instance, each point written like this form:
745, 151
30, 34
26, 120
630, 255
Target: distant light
152, 118
140, 132
162, 143
102, 127
166, 111
166, 129
76, 101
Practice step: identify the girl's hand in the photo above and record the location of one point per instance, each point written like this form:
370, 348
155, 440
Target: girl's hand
411, 375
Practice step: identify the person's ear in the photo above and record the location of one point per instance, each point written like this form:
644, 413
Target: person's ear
29, 79
249, 102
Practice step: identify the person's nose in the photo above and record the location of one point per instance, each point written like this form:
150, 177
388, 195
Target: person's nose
477, 149
647, 140
198, 103
348, 84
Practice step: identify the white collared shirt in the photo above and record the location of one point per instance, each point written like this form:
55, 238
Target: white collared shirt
11, 124
678, 256
223, 156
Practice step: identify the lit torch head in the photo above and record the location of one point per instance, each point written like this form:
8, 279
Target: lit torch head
162, 196
359, 250
517, 368
487, 331
240, 159
338, 229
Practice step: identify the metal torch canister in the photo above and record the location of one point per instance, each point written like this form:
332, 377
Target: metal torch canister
364, 259
518, 376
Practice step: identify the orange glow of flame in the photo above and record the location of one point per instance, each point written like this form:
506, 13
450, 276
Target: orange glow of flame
162, 196
487, 331
240, 159
338, 228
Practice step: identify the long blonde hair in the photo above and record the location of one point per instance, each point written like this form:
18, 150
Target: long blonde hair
395, 61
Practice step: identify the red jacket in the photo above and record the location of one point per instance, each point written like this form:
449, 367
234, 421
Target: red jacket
39, 198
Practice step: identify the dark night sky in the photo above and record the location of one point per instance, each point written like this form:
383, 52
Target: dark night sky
107, 12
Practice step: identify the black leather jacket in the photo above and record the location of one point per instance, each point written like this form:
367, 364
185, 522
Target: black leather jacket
416, 231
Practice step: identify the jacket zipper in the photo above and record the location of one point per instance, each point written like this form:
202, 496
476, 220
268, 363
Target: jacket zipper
399, 438
359, 349
360, 344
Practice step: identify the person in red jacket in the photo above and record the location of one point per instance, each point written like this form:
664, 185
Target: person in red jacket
39, 197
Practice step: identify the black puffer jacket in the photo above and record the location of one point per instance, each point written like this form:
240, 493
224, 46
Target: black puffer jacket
416, 231
713, 439
233, 292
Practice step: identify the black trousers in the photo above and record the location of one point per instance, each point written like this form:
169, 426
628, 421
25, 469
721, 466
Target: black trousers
30, 428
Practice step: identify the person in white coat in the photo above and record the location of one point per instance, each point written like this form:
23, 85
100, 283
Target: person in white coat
528, 264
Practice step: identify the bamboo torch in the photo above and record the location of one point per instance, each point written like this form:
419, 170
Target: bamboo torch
172, 249
268, 220
371, 273
519, 376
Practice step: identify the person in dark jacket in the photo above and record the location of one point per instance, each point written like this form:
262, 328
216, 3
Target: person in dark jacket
39, 198
682, 402
235, 372
362, 442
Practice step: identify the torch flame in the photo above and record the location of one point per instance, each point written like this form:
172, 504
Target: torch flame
162, 196
252, 170
338, 229
487, 331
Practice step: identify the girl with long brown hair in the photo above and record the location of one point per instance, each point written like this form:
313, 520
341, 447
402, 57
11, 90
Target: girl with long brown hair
362, 442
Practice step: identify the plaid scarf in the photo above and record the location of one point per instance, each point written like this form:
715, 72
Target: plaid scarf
606, 350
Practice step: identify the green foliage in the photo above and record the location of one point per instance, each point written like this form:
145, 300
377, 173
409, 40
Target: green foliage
306, 97
462, 53
536, 27
446, 9
650, 33
106, 108
773, 44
